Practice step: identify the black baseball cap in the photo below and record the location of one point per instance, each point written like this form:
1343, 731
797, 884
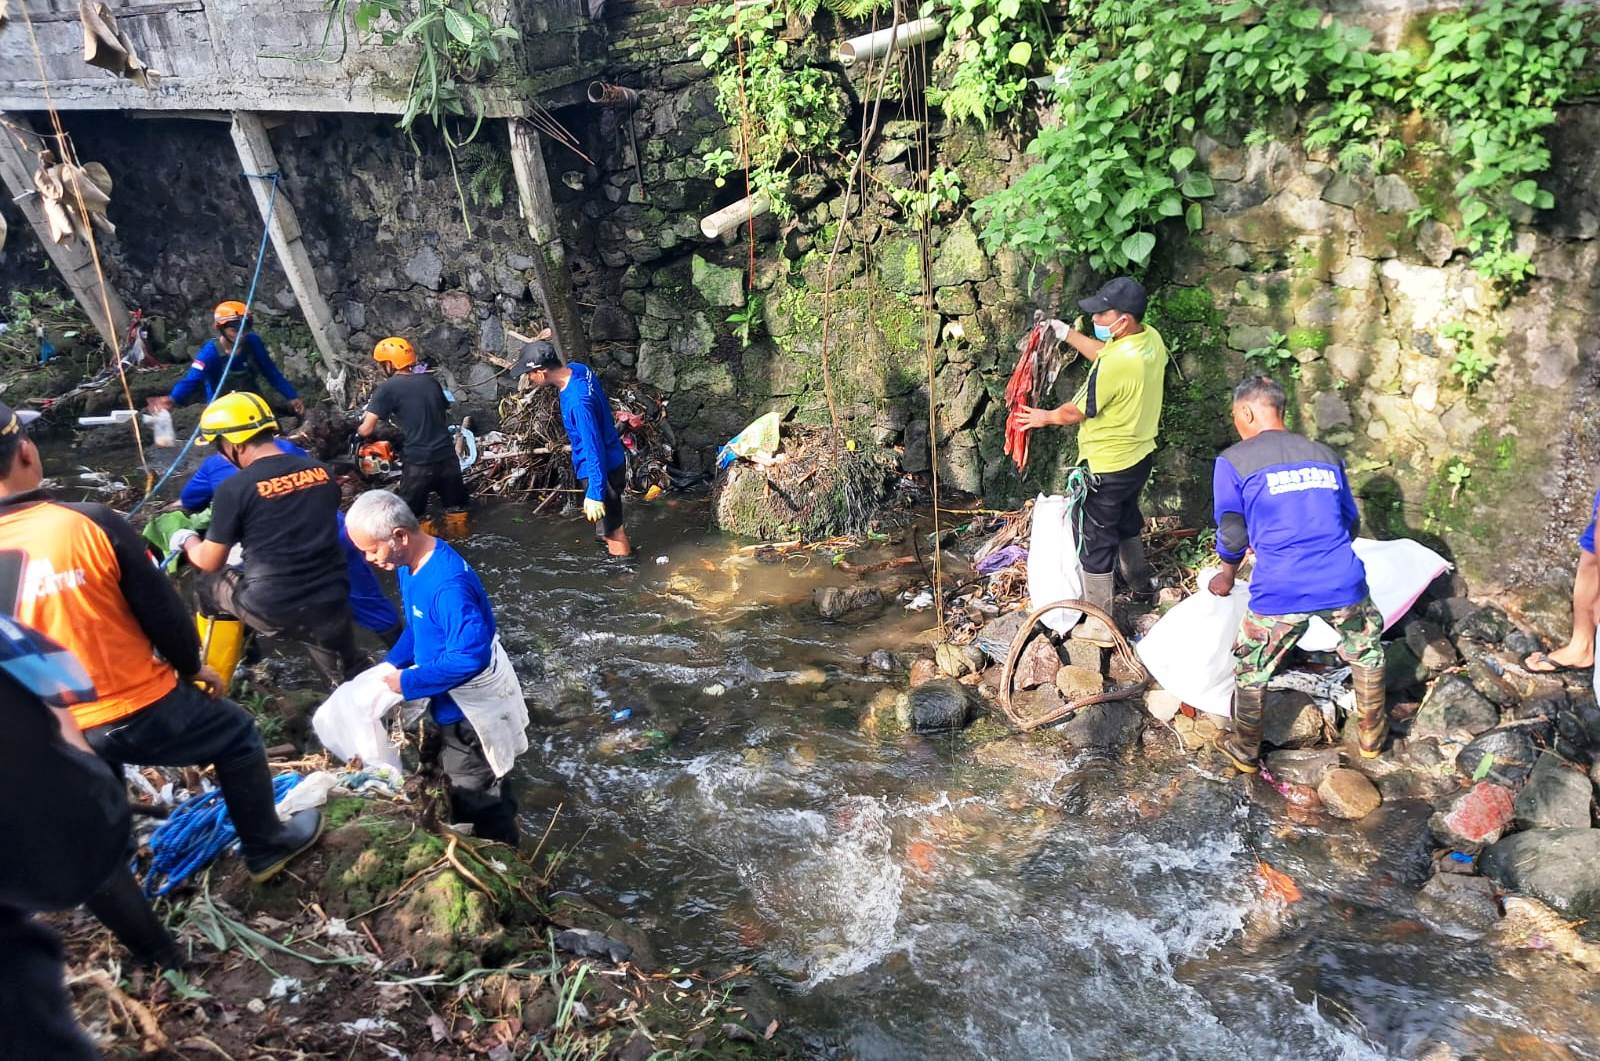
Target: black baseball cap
1124, 294
536, 354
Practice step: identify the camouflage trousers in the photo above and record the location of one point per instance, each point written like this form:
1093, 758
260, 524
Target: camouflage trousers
1264, 640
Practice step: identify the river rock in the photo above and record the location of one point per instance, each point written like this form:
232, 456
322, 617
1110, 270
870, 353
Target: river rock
1556, 796
1488, 625
1023, 754
1451, 705
1430, 645
587, 943
1303, 766
1162, 705
1480, 815
1085, 654
1491, 683
1079, 683
1560, 866
1521, 643
1291, 719
1348, 794
1402, 671
1449, 611
997, 634
835, 603
1510, 750
922, 670
881, 660
937, 706
1108, 727
959, 660
1038, 664
1460, 898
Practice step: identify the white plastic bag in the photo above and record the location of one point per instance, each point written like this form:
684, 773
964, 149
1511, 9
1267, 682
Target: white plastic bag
1397, 573
350, 721
1190, 650
1054, 571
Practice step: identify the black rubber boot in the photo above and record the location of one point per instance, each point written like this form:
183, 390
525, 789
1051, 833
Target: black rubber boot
1134, 568
1372, 717
267, 843
122, 907
1242, 745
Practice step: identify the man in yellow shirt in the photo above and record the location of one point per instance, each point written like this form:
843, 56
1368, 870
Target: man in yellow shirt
1117, 411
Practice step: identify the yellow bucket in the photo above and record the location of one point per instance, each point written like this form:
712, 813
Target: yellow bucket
221, 645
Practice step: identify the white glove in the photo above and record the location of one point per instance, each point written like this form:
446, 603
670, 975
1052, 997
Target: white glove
181, 538
236, 555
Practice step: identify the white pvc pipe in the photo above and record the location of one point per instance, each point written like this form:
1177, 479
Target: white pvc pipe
872, 45
730, 217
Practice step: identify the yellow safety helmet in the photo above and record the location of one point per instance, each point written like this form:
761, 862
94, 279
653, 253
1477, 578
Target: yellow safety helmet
229, 312
395, 352
237, 417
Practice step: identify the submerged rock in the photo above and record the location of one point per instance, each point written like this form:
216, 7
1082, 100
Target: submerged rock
1108, 727
1451, 705
958, 660
937, 706
1480, 815
1348, 794
1457, 897
1559, 866
1303, 766
1510, 752
587, 943
834, 603
1556, 796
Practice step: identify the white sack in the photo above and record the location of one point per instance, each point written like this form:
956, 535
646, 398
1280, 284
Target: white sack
1189, 651
1054, 571
350, 721
1397, 573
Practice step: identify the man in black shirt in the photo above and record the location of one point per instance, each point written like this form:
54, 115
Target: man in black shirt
415, 401
282, 508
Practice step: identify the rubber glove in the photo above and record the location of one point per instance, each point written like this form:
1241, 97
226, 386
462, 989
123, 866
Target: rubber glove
179, 539
593, 511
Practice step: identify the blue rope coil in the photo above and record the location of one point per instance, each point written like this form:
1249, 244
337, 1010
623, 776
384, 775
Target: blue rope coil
191, 839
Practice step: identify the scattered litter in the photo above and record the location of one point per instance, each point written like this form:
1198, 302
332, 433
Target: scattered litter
256, 1006
286, 987
1001, 559
622, 715
921, 602
369, 1026
661, 560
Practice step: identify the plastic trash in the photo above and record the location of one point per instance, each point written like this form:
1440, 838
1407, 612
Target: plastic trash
349, 722
115, 416
1397, 573
761, 437
1054, 572
1190, 650
622, 715
312, 791
161, 427
47, 349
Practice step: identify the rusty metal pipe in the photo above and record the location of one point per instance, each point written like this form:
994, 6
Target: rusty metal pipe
605, 94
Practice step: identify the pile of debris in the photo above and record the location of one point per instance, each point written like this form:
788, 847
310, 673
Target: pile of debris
812, 486
530, 453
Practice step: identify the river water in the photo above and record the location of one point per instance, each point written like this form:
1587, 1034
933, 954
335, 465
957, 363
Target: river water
903, 901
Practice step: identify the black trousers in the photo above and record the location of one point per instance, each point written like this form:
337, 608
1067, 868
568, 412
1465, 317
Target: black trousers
1111, 515
419, 481
327, 630
476, 795
35, 1013
611, 494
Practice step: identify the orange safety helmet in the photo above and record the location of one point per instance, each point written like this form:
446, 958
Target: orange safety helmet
395, 352
229, 312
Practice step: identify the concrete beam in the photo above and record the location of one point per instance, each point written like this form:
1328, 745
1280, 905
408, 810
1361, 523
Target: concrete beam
257, 157
72, 260
554, 278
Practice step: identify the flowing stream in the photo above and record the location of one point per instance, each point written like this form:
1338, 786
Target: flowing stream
904, 901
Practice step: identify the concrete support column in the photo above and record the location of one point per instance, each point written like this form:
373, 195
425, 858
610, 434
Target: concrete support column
257, 157
72, 260
554, 279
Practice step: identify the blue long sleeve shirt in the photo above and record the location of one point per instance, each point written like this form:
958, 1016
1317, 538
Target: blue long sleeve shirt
371, 607
205, 374
449, 634
592, 430
1287, 498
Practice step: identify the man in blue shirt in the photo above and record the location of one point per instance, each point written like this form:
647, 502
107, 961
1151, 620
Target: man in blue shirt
370, 606
204, 378
448, 643
597, 453
1287, 498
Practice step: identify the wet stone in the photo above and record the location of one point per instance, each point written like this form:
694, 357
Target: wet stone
1559, 866
1347, 794
834, 603
1451, 705
1402, 671
881, 660
1488, 681
1459, 898
1510, 753
1430, 645
1291, 719
1488, 624
1522, 644
1556, 796
1480, 815
1303, 766
937, 706
923, 670
587, 943
1109, 727
1038, 664
1078, 683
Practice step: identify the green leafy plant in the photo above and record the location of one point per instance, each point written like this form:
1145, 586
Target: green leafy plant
1274, 358
746, 319
993, 46
943, 189
1472, 363
1458, 473
782, 115
488, 172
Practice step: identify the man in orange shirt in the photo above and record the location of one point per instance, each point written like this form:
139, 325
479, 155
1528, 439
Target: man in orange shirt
80, 576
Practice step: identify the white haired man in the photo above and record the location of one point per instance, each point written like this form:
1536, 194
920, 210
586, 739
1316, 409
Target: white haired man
450, 654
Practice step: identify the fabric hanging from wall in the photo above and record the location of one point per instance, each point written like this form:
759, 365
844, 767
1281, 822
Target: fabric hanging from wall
106, 46
67, 192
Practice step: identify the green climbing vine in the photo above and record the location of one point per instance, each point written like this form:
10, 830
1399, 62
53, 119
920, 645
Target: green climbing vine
992, 44
786, 113
1145, 77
